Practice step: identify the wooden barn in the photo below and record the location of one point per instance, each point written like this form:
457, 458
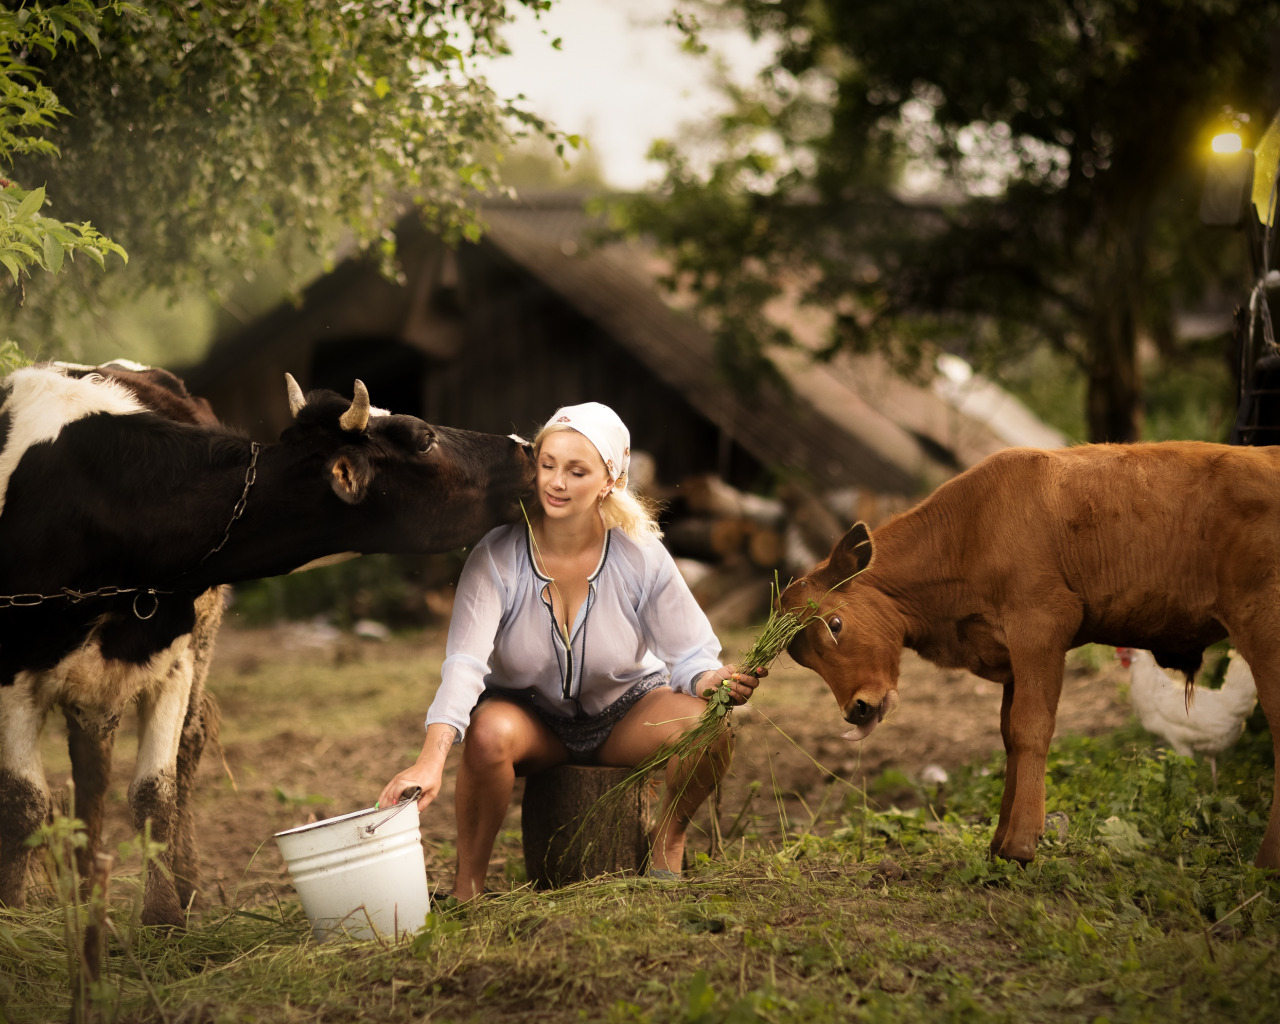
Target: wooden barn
496, 335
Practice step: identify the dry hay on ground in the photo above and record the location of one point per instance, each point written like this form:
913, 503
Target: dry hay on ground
316, 721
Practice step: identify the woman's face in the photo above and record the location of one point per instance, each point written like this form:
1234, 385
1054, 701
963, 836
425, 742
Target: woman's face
571, 475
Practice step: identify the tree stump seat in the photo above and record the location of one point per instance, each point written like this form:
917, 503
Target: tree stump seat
569, 837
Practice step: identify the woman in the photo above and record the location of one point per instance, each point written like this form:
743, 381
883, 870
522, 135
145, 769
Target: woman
573, 638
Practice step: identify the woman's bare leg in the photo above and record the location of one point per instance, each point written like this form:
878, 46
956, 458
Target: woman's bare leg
503, 740
659, 716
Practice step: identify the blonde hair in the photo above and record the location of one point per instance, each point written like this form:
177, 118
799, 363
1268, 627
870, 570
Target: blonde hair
634, 515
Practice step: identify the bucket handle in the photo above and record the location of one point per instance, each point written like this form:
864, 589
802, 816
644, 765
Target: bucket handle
407, 797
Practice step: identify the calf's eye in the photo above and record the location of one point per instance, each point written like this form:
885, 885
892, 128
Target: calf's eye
835, 625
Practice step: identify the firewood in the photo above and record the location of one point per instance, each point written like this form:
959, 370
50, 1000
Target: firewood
709, 495
723, 581
765, 548
730, 535
691, 538
743, 606
819, 526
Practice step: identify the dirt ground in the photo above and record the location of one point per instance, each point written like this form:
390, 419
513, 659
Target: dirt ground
275, 768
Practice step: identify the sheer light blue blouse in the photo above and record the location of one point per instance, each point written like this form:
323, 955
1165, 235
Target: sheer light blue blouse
638, 618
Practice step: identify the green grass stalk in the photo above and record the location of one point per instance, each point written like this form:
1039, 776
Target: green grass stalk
704, 736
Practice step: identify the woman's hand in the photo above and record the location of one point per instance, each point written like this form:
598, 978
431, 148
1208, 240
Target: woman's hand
742, 684
427, 772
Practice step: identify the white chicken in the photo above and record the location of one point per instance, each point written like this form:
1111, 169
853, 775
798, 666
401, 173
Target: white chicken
1195, 721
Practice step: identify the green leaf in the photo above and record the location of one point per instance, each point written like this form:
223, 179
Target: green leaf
1122, 836
31, 204
12, 264
53, 253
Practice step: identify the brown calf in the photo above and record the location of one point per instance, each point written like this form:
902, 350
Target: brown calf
1002, 570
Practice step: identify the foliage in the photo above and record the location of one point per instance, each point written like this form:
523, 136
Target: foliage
215, 137
393, 589
11, 357
1146, 908
28, 110
982, 177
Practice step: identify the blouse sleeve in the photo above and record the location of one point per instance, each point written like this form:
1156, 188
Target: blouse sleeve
678, 630
478, 609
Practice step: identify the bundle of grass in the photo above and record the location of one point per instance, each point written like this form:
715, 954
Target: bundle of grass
700, 740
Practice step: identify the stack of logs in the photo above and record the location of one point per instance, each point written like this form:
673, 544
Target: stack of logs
729, 544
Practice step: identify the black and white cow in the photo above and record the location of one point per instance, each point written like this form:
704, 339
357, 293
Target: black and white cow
123, 508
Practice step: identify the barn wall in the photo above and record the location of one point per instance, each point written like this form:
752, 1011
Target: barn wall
471, 340
527, 352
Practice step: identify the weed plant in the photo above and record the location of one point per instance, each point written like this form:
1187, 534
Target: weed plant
1142, 905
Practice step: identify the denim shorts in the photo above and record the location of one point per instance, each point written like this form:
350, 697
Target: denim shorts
582, 735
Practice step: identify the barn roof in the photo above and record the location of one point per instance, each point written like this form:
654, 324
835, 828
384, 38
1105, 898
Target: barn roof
850, 419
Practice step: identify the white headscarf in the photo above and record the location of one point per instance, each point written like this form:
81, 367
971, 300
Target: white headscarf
603, 428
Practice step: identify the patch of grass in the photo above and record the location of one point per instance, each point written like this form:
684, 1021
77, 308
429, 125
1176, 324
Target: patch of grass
1144, 907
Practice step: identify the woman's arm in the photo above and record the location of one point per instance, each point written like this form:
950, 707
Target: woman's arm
426, 772
480, 601
675, 626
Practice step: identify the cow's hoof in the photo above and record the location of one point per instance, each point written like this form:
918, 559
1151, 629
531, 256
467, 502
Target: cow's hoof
167, 915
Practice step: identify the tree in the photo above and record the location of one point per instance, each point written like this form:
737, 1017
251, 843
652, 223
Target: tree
216, 137
28, 108
1064, 137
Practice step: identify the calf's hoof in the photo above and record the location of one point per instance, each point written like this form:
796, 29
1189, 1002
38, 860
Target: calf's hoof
1011, 848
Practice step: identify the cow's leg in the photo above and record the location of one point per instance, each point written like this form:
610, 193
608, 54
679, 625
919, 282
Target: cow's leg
89, 741
200, 726
24, 796
1033, 708
1010, 768
153, 796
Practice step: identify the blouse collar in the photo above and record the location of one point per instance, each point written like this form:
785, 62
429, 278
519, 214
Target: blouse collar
533, 562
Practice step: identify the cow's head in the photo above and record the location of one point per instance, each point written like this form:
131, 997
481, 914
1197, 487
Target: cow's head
405, 485
854, 636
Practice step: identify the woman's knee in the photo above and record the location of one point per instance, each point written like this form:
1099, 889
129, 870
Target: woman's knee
494, 735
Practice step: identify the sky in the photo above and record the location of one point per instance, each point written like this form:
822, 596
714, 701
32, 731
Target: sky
619, 78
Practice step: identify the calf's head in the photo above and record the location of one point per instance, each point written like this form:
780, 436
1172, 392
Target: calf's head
405, 485
854, 635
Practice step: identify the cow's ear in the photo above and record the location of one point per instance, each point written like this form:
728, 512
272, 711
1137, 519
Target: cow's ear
853, 552
350, 478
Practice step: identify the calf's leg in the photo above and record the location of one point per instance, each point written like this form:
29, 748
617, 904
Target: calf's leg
1010, 769
1033, 708
24, 797
1263, 655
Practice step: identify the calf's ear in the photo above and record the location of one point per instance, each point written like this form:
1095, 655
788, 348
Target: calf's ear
350, 478
853, 552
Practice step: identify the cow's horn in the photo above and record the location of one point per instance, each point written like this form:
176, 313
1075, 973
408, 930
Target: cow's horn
357, 417
296, 398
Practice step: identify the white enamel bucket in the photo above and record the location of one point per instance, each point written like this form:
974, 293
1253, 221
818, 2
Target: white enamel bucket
360, 873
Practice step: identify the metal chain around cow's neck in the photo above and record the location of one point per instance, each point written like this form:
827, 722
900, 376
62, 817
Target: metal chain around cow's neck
76, 596
250, 475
